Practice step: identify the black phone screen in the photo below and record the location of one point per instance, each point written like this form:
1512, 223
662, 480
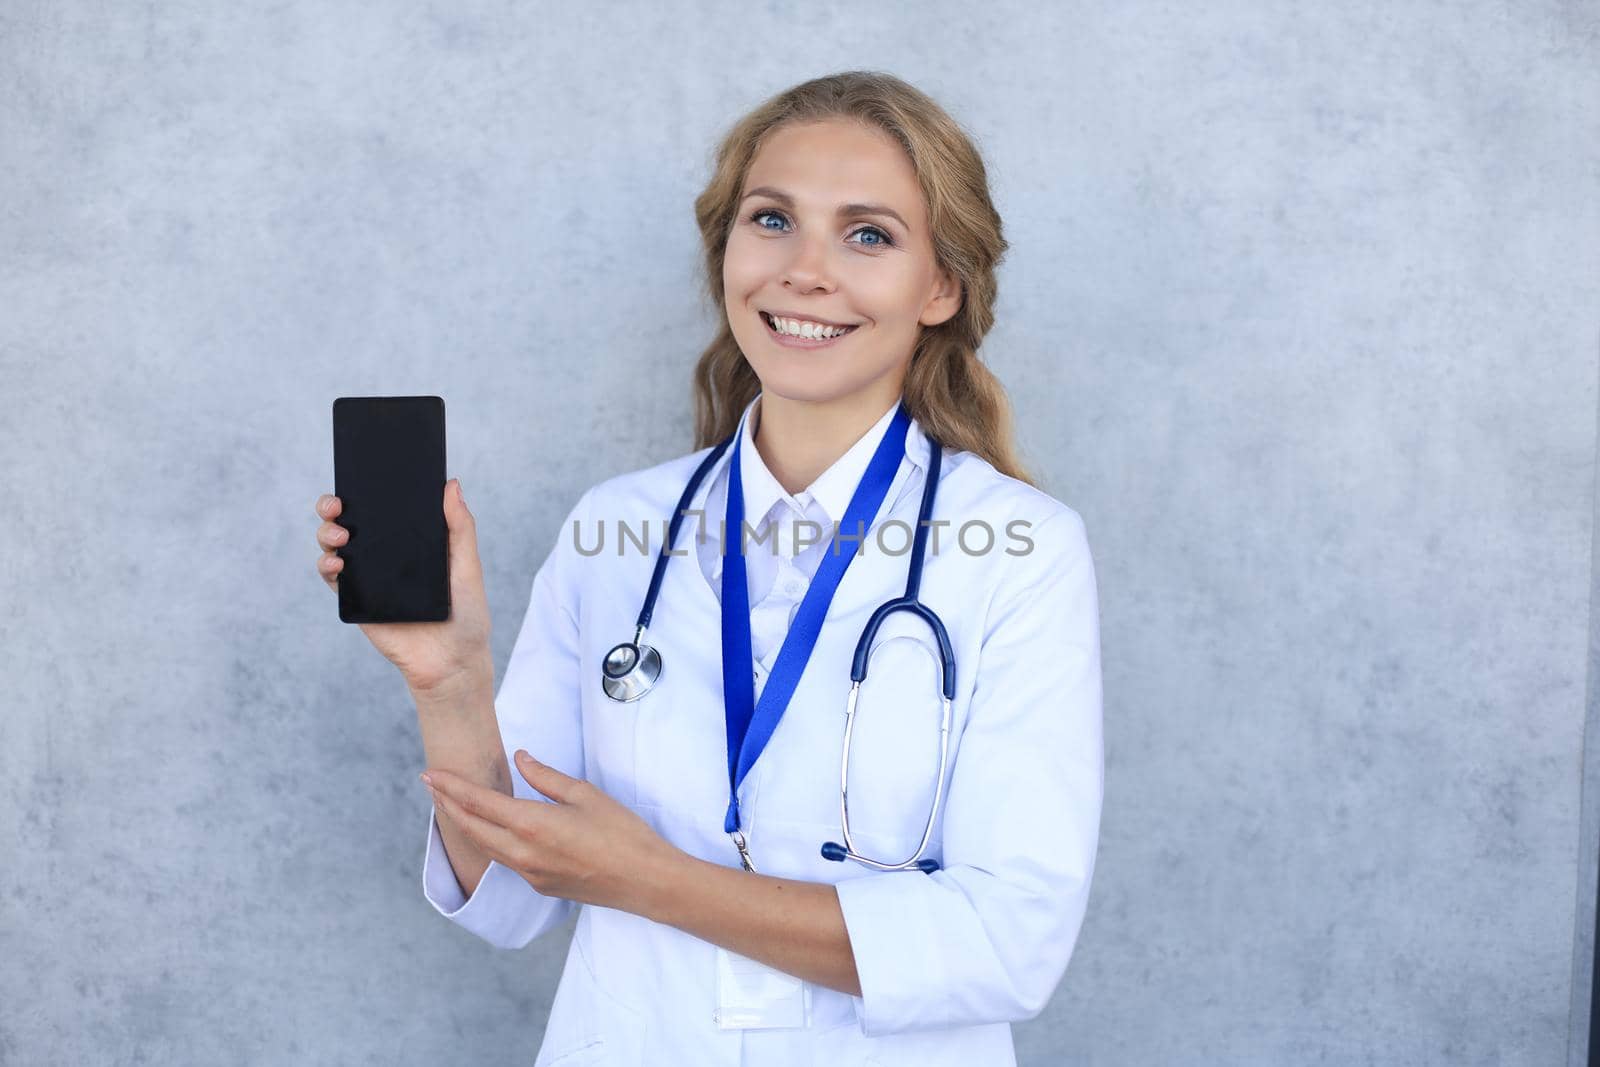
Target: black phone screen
389, 475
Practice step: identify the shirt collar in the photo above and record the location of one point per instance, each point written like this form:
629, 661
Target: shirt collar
834, 487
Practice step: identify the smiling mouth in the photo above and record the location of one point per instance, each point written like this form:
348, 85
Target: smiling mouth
772, 328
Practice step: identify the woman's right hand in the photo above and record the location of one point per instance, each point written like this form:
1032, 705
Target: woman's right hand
428, 654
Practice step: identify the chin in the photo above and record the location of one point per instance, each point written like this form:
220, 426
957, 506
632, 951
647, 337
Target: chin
812, 389
795, 383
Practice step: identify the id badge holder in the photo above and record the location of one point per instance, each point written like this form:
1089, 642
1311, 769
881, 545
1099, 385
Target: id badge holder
753, 996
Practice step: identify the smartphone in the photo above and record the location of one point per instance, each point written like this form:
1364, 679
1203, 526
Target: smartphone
389, 475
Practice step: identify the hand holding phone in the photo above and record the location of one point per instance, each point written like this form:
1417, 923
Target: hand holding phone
427, 654
420, 597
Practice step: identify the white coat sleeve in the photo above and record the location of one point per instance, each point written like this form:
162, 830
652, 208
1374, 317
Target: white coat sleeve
538, 708
987, 937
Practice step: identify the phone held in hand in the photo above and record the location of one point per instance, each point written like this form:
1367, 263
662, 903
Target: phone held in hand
389, 476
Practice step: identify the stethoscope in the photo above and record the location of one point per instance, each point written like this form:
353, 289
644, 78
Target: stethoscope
632, 668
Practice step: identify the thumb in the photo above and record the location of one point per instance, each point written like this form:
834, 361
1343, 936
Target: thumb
463, 529
547, 780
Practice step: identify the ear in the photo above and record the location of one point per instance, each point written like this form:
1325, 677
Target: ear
945, 301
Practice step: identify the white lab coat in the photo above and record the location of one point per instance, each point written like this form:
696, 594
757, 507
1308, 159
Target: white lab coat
947, 961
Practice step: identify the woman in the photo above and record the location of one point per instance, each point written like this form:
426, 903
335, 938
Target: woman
850, 249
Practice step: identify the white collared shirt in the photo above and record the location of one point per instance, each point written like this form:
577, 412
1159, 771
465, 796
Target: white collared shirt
778, 572
946, 961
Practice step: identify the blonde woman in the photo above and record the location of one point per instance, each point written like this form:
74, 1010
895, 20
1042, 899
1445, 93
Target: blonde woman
665, 752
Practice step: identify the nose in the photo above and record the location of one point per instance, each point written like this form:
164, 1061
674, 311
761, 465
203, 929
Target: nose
809, 269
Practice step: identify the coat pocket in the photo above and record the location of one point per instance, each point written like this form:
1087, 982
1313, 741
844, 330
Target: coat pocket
587, 1025
592, 1052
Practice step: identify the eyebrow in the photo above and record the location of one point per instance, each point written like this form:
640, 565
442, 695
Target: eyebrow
844, 209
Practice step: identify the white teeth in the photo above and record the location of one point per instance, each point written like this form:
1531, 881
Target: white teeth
808, 330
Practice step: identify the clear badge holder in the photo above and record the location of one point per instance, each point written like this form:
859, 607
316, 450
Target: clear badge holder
753, 996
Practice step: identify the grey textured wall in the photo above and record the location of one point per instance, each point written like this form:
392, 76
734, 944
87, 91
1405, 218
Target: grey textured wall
1301, 315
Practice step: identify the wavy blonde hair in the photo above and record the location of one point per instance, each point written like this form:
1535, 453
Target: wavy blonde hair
947, 389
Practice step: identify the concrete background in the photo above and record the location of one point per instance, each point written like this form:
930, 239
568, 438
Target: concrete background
1301, 314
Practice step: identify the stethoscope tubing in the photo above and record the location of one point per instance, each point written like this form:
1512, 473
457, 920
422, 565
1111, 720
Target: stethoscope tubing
632, 668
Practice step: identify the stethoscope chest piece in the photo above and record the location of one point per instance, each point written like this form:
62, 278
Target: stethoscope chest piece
630, 669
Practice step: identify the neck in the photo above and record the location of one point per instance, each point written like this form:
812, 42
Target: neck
799, 439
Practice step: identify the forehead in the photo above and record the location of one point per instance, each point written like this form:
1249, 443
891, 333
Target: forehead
837, 161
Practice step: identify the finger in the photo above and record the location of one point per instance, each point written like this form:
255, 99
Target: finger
463, 528
331, 535
504, 816
329, 567
497, 842
547, 780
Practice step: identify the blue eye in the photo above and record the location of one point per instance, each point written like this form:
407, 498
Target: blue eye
884, 240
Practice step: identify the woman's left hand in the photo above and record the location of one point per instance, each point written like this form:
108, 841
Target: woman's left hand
586, 847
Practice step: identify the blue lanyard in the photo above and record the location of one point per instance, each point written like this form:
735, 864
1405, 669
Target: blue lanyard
751, 724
